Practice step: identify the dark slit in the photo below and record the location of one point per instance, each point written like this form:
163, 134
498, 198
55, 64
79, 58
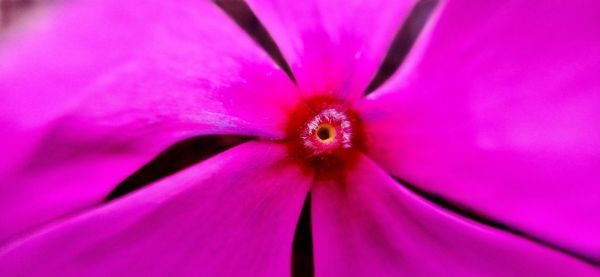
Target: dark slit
474, 216
176, 158
403, 42
302, 248
241, 13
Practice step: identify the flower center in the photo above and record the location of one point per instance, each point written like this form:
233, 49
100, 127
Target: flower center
325, 135
328, 131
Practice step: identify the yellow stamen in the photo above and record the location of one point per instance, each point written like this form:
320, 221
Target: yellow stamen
326, 133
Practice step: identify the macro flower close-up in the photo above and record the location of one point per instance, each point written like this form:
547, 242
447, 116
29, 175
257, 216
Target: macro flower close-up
303, 138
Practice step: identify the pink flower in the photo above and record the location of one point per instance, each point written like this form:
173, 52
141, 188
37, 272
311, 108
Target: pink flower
480, 155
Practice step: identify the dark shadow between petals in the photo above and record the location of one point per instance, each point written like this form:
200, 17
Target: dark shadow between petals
472, 215
174, 159
241, 13
403, 42
302, 248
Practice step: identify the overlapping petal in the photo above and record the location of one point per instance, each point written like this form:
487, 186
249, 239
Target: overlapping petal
500, 114
231, 215
369, 225
94, 88
333, 47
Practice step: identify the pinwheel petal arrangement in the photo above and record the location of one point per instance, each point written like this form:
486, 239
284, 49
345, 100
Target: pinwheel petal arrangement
477, 154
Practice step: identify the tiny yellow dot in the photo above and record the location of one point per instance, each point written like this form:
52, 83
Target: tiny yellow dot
326, 133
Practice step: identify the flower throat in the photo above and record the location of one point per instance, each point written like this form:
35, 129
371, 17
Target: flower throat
324, 135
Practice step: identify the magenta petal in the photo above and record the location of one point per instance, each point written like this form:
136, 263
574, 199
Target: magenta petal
372, 226
501, 115
94, 89
232, 215
333, 47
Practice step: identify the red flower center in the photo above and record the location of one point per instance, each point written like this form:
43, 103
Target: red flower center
324, 135
328, 131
